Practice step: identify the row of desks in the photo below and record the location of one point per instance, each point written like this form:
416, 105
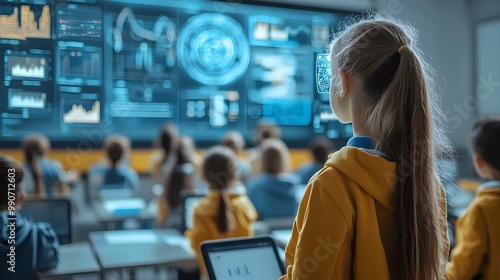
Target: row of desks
112, 250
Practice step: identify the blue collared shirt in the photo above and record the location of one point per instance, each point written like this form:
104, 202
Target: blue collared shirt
363, 142
489, 185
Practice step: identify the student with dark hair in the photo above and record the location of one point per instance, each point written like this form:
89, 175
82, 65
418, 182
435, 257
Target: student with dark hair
476, 254
320, 149
35, 246
222, 213
175, 171
377, 209
272, 192
116, 174
49, 175
234, 141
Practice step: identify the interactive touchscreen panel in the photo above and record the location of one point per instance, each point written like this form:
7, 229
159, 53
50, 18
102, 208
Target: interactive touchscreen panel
130, 66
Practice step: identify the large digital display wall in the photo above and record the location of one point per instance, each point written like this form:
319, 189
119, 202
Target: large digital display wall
71, 68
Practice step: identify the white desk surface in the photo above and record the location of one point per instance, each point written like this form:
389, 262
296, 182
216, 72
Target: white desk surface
103, 216
139, 248
74, 259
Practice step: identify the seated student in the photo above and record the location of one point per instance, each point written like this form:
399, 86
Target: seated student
35, 246
222, 213
320, 148
54, 181
273, 191
265, 130
175, 171
234, 141
114, 174
477, 249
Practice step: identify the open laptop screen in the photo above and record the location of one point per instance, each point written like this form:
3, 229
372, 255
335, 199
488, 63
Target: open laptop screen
249, 258
188, 203
56, 212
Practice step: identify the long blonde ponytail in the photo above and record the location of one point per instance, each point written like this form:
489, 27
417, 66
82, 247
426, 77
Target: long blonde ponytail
398, 84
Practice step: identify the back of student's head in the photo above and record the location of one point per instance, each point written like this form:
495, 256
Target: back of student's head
383, 59
266, 130
485, 139
181, 176
117, 147
234, 141
321, 148
35, 146
11, 175
168, 139
274, 157
220, 171
186, 151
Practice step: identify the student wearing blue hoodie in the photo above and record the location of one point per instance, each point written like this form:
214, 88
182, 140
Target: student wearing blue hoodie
25, 247
273, 191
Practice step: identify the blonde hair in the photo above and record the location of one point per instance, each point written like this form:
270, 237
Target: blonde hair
274, 156
398, 87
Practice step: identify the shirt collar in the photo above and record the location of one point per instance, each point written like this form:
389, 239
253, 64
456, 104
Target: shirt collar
363, 142
490, 185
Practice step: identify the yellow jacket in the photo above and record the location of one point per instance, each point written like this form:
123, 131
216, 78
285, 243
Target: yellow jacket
345, 223
205, 226
477, 249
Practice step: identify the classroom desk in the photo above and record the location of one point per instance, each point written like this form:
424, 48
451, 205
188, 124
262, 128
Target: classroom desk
282, 237
142, 248
74, 259
110, 221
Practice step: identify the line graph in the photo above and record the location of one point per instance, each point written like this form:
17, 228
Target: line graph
79, 114
22, 99
22, 66
164, 29
24, 21
144, 46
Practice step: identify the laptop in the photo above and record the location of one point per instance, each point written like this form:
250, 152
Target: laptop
189, 200
244, 258
56, 212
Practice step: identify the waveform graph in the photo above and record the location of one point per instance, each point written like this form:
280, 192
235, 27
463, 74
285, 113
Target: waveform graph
213, 49
19, 99
79, 21
144, 45
22, 21
78, 110
23, 66
79, 66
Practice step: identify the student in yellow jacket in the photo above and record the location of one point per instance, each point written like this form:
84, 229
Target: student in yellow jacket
477, 250
220, 214
376, 210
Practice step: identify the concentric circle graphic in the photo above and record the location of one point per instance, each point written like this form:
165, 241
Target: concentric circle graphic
213, 49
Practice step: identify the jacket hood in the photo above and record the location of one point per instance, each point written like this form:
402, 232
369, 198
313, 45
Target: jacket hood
371, 172
22, 229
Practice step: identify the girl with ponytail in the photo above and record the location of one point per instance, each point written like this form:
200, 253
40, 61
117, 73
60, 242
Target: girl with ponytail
376, 210
222, 213
43, 174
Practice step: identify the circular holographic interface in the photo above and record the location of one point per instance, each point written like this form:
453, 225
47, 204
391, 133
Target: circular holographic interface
213, 49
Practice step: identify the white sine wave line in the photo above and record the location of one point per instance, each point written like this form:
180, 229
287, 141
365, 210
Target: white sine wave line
162, 23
